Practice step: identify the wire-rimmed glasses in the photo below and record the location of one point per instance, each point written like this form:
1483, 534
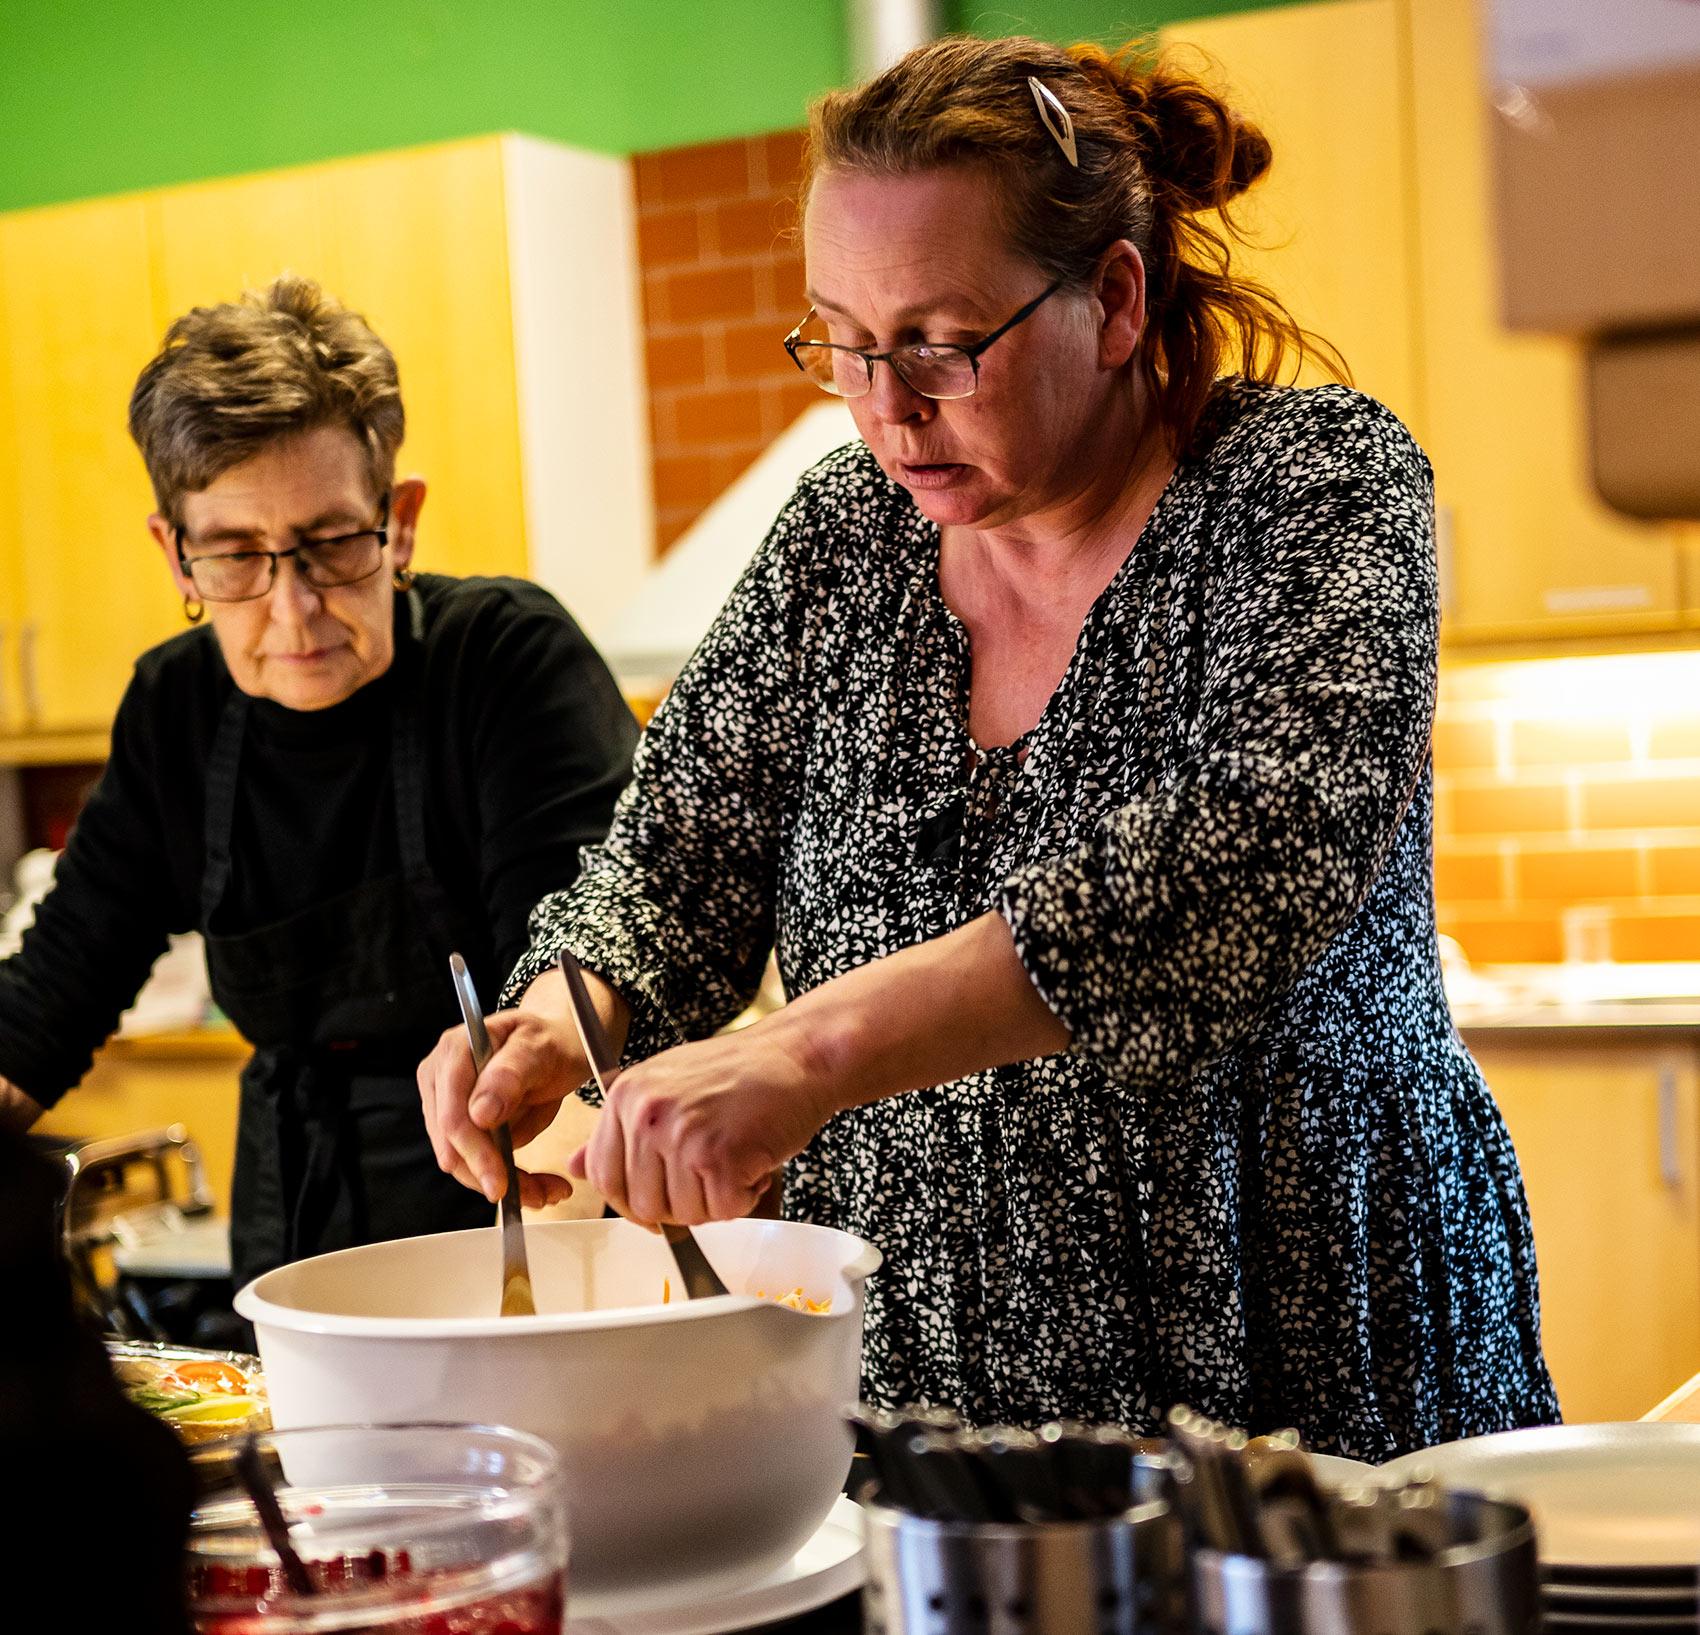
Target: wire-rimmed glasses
245, 576
935, 369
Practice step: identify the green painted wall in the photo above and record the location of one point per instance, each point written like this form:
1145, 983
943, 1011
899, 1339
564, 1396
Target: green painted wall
104, 96
1110, 21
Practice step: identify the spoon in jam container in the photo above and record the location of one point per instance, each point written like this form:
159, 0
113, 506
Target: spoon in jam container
516, 1272
700, 1279
251, 1470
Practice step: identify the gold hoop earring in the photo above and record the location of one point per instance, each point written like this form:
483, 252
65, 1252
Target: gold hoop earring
402, 578
193, 610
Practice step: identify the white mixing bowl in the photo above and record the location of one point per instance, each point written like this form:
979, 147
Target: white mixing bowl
701, 1440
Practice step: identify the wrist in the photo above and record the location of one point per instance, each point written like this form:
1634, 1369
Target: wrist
827, 1038
548, 999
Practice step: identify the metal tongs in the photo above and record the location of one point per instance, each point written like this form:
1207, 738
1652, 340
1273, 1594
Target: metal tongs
700, 1279
1261, 1496
517, 1300
929, 1462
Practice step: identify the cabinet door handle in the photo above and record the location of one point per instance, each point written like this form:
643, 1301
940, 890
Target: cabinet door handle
1670, 1158
27, 634
1446, 560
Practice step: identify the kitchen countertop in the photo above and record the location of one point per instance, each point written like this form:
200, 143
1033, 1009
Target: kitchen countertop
844, 1616
213, 1041
1648, 1001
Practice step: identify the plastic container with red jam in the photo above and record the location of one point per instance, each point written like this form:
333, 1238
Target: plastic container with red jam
404, 1529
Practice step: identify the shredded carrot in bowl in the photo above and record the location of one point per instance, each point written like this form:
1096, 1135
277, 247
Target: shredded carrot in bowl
796, 1299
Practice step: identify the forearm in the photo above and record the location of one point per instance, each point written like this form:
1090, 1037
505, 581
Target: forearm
924, 1016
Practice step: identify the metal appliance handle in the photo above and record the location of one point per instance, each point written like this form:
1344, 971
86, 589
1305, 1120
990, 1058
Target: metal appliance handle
1670, 1155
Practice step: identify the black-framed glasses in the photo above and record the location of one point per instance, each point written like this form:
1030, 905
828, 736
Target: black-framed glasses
934, 369
246, 576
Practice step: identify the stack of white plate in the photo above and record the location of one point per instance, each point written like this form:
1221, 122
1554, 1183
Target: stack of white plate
1650, 1600
1617, 1518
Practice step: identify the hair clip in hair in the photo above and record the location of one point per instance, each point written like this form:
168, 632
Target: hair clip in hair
1054, 117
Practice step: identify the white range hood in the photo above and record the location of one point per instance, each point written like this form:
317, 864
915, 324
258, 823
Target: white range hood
650, 639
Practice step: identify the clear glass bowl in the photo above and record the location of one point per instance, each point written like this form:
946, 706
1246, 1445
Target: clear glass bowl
407, 1529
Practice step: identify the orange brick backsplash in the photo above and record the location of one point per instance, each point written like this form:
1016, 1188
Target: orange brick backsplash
688, 296
781, 159
723, 282
786, 398
1567, 784
1649, 936
740, 167
755, 350
1469, 745
1673, 871
1481, 808
1505, 939
783, 285
684, 481
752, 227
1469, 876
1669, 802
733, 169
1569, 743
714, 418
1576, 874
677, 358
670, 522
670, 238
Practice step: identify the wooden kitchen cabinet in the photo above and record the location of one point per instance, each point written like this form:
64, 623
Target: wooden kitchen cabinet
1608, 1136
1331, 220
11, 582
82, 590
1527, 549
1688, 545
1377, 230
191, 1078
417, 242
149, 1083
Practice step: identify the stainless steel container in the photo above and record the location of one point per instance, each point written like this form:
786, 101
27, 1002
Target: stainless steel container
1105, 1577
1488, 1586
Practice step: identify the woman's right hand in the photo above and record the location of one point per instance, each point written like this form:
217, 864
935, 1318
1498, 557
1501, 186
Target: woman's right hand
536, 1062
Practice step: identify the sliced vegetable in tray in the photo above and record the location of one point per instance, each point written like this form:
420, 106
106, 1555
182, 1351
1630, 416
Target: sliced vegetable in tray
200, 1394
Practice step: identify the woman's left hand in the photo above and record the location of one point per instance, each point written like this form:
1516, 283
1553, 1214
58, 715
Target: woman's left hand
695, 1133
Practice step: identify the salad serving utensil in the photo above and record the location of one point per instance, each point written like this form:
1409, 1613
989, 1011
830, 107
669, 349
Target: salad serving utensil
700, 1279
251, 1471
517, 1298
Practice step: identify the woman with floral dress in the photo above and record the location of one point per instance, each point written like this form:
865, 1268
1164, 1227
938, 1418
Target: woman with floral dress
1069, 738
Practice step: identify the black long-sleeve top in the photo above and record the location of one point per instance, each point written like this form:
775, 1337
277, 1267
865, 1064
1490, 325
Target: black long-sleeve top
528, 743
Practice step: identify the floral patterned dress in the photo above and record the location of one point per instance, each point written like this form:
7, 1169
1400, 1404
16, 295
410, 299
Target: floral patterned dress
1266, 1178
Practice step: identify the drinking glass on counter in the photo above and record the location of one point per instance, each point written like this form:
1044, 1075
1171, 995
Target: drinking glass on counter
406, 1529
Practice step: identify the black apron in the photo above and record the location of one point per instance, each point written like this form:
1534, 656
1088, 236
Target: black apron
341, 1002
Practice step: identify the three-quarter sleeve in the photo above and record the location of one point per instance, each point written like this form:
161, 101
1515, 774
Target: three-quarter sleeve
1192, 910
100, 928
676, 909
553, 749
